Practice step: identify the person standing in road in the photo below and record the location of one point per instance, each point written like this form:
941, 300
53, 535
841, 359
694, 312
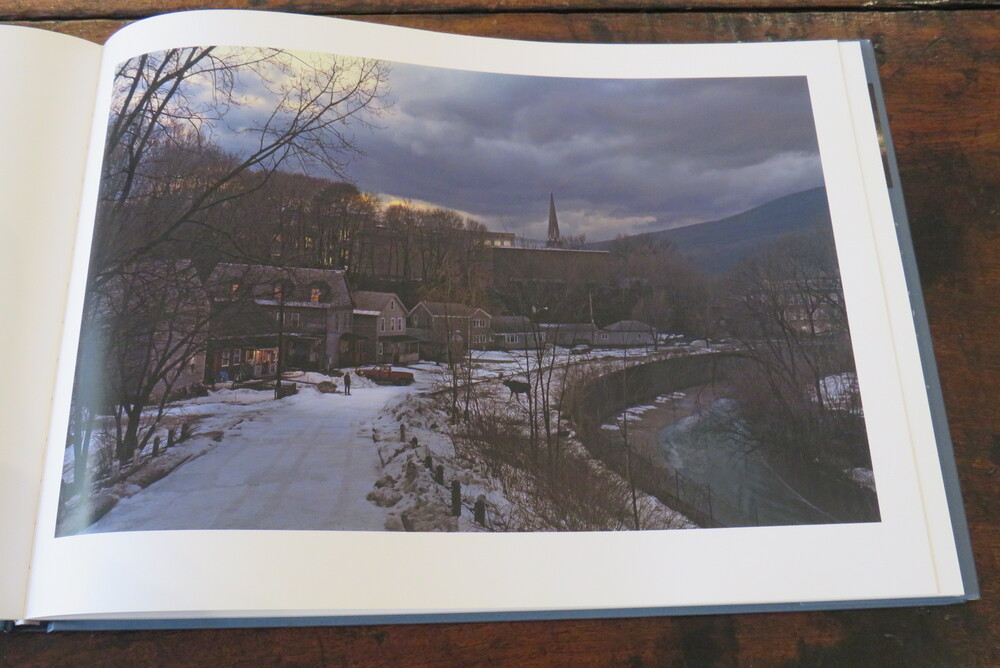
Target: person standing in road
347, 383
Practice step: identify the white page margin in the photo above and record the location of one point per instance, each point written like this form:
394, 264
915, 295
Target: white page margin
49, 83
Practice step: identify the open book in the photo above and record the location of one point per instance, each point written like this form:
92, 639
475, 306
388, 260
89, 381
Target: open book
336, 322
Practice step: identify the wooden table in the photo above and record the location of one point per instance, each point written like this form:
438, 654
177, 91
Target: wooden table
940, 67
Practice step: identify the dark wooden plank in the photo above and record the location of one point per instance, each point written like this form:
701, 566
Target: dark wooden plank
941, 73
11, 10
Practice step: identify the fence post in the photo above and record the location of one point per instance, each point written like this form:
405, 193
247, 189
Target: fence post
156, 446
402, 433
428, 463
479, 510
170, 438
456, 498
439, 474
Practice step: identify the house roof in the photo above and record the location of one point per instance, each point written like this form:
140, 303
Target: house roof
629, 326
450, 309
509, 324
365, 300
259, 279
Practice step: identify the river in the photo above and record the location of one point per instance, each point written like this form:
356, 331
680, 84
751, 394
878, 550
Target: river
745, 490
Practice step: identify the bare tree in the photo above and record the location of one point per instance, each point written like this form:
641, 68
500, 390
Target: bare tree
787, 311
167, 187
177, 101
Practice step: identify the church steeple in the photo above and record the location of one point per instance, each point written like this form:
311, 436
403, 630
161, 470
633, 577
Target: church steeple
554, 240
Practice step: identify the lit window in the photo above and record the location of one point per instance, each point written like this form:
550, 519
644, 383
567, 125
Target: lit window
314, 295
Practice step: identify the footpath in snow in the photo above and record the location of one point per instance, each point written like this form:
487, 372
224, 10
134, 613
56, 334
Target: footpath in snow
303, 462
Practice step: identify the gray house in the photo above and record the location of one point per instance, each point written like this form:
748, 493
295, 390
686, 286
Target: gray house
380, 317
626, 334
264, 314
570, 334
516, 332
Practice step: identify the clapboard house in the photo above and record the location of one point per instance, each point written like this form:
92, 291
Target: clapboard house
446, 330
516, 332
380, 327
265, 318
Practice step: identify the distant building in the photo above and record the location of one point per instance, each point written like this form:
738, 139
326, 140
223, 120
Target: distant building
156, 312
626, 334
380, 322
264, 315
554, 240
570, 334
516, 332
504, 268
448, 330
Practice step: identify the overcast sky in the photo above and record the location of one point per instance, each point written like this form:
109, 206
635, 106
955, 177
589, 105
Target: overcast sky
620, 156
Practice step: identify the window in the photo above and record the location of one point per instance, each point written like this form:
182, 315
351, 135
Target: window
315, 294
236, 356
604, 337
399, 324
278, 291
309, 243
381, 324
511, 338
296, 318
478, 322
236, 286
392, 306
225, 358
381, 348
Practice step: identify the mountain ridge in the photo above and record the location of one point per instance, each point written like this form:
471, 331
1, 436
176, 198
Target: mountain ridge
717, 246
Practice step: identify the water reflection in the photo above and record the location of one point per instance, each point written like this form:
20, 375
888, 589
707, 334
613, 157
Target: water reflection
706, 449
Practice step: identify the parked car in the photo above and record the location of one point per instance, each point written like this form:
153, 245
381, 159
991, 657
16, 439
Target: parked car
580, 349
386, 375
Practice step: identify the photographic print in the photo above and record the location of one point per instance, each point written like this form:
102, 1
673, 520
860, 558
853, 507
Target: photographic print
346, 294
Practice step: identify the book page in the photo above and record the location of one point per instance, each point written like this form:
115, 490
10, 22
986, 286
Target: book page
351, 415
49, 82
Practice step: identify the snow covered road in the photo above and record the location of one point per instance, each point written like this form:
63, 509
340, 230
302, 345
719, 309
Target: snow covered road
304, 462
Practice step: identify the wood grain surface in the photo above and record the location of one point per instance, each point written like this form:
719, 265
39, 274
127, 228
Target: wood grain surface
940, 68
132, 9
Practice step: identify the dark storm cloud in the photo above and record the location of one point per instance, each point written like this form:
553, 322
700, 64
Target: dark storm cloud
619, 155
640, 152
